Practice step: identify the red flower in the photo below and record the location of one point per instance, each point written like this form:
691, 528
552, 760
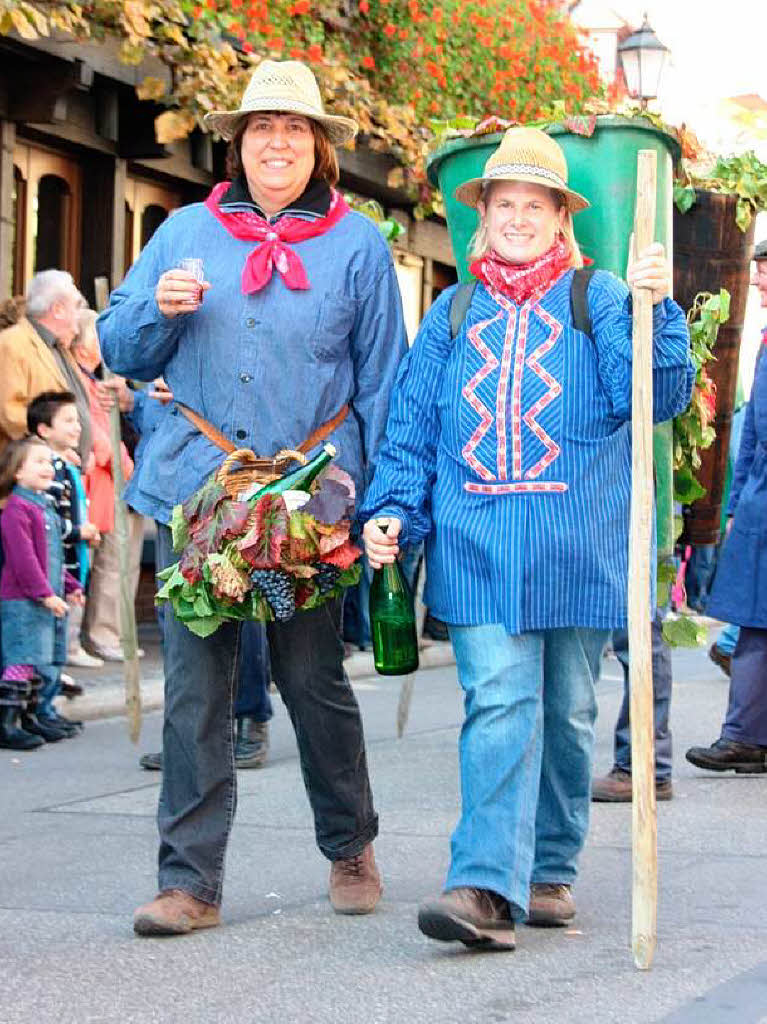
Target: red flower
314, 53
364, 6
367, 61
197, 12
390, 30
235, 4
247, 47
211, 4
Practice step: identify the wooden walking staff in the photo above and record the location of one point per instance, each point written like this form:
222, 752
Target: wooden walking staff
128, 632
644, 823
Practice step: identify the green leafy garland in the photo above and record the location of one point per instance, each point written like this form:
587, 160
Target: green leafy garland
744, 176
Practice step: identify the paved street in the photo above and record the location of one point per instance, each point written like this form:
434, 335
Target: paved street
78, 841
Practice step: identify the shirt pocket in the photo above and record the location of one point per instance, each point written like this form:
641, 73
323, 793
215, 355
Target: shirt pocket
334, 326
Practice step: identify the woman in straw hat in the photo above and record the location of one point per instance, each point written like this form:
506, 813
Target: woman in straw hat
508, 448
296, 331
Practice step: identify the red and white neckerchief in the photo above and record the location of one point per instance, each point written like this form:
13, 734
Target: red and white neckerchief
273, 249
520, 281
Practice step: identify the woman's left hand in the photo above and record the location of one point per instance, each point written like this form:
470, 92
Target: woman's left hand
650, 270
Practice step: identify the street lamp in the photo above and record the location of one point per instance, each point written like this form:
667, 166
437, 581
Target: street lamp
642, 56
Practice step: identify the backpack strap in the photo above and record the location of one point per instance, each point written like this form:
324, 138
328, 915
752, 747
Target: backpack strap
579, 302
459, 306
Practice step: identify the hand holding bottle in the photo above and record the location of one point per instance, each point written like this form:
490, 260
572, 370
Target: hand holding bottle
381, 545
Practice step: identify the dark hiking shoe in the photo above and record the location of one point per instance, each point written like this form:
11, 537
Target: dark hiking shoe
478, 918
551, 905
49, 731
355, 883
727, 755
151, 762
251, 746
615, 788
719, 658
12, 736
175, 912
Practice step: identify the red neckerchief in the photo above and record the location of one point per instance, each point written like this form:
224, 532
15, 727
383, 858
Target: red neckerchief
520, 281
272, 251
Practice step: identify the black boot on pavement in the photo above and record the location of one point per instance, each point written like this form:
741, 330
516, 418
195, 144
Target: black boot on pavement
478, 918
615, 788
727, 755
12, 736
151, 762
251, 745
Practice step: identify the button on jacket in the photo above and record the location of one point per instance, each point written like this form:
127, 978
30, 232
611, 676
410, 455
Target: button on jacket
268, 368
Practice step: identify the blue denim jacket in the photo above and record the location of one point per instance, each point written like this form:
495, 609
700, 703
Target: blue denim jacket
266, 369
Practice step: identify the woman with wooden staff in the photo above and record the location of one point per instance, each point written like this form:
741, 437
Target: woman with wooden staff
508, 448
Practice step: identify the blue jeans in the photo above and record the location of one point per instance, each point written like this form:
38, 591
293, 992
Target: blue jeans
661, 702
526, 751
49, 689
728, 638
746, 720
199, 786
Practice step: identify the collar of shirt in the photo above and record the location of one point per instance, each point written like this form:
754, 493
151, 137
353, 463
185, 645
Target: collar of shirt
43, 500
312, 204
48, 337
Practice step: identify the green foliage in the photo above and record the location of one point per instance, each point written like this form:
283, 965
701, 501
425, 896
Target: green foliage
684, 631
744, 176
693, 429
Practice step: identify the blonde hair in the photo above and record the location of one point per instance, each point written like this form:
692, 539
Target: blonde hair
479, 243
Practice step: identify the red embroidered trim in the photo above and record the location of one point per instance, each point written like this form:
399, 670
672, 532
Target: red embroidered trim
555, 390
485, 416
543, 487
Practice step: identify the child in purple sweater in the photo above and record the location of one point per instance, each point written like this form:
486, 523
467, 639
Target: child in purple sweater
33, 583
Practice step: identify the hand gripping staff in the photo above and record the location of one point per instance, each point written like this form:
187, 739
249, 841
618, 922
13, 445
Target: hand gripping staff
644, 820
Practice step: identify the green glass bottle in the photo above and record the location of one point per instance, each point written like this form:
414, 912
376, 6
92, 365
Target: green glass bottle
392, 621
299, 479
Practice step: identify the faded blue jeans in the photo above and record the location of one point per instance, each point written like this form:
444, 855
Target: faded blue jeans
526, 752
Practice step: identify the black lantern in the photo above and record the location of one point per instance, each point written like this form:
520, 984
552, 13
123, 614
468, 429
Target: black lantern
642, 56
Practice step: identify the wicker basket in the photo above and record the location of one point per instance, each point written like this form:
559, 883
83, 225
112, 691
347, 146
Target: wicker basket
242, 468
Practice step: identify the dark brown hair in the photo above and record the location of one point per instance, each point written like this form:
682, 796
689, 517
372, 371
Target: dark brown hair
325, 156
12, 460
44, 407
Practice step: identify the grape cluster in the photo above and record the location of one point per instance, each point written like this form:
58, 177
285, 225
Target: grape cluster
326, 577
276, 587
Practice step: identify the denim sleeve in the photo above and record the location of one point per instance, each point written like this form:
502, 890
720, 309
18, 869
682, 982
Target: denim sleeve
378, 344
137, 340
746, 453
137, 413
406, 466
673, 370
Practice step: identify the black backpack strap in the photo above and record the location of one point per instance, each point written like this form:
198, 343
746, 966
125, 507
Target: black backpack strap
459, 306
579, 302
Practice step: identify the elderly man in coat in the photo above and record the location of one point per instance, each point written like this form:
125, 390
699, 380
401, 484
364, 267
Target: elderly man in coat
739, 594
35, 356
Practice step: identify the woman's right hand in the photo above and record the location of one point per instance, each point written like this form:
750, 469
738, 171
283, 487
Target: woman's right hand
179, 292
55, 604
381, 548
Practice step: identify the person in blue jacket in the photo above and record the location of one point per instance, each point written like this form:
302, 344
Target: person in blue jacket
297, 327
739, 592
508, 449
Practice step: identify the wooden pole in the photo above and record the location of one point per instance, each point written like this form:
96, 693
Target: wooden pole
128, 631
644, 823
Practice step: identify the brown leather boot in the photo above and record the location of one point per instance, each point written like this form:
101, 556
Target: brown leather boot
355, 883
175, 912
476, 917
615, 788
551, 905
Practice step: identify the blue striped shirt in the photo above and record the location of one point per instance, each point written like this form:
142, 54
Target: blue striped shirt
509, 449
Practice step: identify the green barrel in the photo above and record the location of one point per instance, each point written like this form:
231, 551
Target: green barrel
603, 168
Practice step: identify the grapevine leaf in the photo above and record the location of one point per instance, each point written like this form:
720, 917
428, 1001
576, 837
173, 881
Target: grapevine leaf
684, 632
179, 528
684, 197
343, 556
331, 503
329, 542
581, 125
203, 502
191, 564
262, 544
204, 626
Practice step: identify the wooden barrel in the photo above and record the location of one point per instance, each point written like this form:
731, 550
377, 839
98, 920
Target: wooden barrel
711, 252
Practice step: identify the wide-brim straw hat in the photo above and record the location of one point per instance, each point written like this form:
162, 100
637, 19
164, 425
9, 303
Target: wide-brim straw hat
524, 154
284, 86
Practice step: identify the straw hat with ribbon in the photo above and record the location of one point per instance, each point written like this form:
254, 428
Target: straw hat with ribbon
525, 154
284, 86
